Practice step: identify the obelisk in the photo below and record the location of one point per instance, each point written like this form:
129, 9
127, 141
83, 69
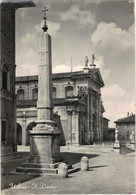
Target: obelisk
44, 142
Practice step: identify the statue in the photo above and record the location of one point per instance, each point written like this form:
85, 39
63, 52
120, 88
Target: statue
86, 62
93, 58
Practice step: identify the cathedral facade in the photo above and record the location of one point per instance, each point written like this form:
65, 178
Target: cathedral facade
77, 101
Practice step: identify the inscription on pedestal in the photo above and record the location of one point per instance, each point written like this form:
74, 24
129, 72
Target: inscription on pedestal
40, 145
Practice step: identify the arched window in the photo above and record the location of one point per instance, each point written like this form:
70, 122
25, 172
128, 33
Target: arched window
54, 92
68, 91
5, 77
35, 93
20, 94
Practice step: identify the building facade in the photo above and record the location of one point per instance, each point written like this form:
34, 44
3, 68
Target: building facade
105, 129
126, 128
7, 76
77, 100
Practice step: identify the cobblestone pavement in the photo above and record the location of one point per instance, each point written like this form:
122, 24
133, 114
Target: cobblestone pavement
109, 173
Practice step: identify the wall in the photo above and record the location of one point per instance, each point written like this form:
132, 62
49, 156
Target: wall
7, 96
125, 130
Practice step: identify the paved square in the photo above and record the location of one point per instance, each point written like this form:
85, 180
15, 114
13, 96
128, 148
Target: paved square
109, 173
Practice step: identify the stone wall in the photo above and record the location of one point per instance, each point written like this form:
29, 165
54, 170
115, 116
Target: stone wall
7, 94
7, 75
126, 130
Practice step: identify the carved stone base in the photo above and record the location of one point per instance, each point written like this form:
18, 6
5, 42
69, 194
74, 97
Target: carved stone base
44, 145
44, 151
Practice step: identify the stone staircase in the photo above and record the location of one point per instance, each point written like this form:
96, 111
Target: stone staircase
42, 169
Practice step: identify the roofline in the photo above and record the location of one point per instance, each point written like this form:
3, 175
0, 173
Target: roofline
122, 120
106, 118
35, 77
19, 4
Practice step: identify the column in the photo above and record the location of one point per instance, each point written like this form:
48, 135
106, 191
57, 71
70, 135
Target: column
24, 129
87, 131
99, 112
75, 127
69, 112
91, 116
97, 117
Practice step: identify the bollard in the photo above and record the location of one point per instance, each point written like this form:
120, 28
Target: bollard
84, 163
63, 170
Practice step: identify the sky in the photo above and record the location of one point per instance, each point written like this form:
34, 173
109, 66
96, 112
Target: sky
80, 28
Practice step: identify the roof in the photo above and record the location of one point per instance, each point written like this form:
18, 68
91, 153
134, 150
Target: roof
17, 4
55, 75
72, 75
130, 119
106, 119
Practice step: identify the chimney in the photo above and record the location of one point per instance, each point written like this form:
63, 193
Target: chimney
128, 114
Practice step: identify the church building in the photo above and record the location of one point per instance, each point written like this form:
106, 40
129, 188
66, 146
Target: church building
76, 99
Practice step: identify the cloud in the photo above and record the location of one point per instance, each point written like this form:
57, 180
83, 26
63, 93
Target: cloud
115, 48
27, 58
53, 28
114, 91
26, 69
61, 68
82, 17
111, 39
29, 40
87, 2
117, 102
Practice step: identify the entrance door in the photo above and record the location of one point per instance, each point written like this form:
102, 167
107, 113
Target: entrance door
19, 134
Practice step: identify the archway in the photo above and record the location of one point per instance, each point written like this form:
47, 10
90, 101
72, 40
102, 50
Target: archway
19, 134
29, 127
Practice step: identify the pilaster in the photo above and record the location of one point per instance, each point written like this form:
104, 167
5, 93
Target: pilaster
69, 112
75, 127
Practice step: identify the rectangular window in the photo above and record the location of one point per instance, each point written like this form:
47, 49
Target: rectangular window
3, 133
4, 80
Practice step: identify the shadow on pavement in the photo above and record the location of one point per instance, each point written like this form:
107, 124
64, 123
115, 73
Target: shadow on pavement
124, 150
8, 181
72, 158
98, 166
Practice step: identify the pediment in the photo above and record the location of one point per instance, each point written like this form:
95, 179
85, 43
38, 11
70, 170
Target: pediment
96, 76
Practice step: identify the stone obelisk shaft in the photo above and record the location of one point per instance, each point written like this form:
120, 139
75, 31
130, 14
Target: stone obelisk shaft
44, 142
44, 104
